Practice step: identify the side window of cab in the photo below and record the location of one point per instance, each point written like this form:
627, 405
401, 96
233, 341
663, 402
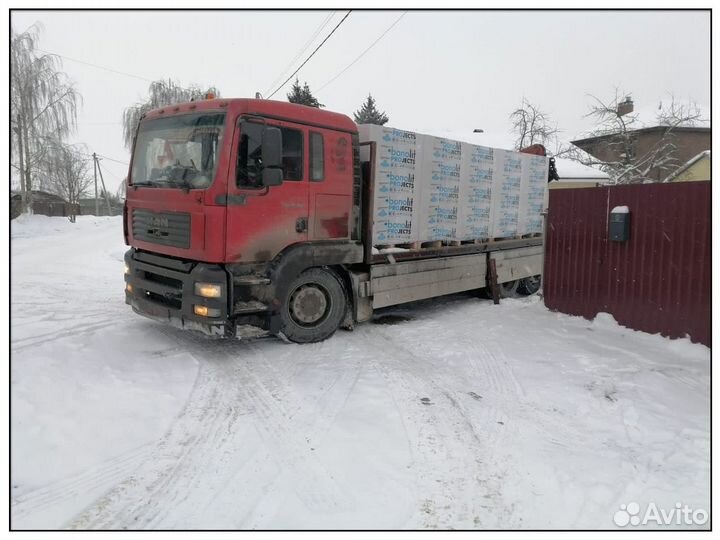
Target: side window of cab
292, 153
249, 159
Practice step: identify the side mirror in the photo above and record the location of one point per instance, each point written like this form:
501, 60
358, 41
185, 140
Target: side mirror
272, 177
272, 147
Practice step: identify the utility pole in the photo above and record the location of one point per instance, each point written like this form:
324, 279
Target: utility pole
107, 197
23, 187
95, 168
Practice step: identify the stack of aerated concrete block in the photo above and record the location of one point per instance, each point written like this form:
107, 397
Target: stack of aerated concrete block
430, 188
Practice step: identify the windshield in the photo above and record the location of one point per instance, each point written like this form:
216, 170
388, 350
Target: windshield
178, 151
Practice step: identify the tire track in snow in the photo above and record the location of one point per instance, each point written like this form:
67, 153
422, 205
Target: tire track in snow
479, 425
441, 442
95, 478
77, 330
506, 410
275, 423
137, 496
317, 418
336, 388
188, 454
290, 428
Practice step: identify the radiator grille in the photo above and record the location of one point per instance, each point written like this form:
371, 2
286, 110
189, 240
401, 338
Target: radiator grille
165, 228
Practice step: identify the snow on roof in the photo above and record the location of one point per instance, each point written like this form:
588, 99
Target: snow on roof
568, 169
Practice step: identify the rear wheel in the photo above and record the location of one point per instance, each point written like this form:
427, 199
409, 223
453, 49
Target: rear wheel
529, 285
314, 306
508, 289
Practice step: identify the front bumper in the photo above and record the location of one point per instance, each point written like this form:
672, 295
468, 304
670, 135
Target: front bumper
163, 289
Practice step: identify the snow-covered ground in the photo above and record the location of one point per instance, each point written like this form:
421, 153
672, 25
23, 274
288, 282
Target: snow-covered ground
447, 414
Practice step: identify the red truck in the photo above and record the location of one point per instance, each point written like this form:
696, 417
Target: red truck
249, 216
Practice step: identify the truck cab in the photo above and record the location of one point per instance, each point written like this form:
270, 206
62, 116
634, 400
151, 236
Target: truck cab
228, 202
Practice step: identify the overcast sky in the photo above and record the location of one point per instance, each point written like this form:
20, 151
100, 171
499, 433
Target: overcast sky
434, 71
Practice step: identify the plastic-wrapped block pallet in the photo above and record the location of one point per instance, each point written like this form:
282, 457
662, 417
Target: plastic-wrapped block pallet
532, 193
429, 188
396, 203
475, 192
439, 188
506, 193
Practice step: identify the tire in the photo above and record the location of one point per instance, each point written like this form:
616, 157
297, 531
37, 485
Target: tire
509, 289
314, 306
529, 285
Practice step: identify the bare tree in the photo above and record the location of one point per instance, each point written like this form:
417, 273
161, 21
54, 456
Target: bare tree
43, 106
677, 114
68, 173
121, 191
160, 94
532, 126
616, 129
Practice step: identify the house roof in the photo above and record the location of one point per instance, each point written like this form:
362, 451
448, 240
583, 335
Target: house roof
679, 129
687, 165
39, 196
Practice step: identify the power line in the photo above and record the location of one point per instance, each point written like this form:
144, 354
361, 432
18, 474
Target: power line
104, 157
95, 65
363, 53
114, 175
302, 50
312, 54
115, 160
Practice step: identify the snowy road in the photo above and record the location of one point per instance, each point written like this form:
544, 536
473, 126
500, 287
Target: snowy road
449, 414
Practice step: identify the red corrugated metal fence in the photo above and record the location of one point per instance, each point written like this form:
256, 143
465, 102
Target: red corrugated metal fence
657, 281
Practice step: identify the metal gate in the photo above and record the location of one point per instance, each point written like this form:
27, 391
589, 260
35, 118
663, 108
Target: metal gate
658, 280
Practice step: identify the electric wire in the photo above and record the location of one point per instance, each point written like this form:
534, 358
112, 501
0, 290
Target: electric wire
364, 52
311, 54
95, 65
302, 50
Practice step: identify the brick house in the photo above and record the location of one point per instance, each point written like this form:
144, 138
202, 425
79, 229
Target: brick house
689, 142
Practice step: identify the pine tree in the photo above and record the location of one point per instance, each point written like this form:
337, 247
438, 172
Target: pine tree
302, 95
369, 114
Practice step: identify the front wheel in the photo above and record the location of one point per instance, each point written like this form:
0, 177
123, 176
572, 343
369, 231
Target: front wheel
313, 307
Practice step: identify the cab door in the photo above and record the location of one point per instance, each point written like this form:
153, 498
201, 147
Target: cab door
330, 175
262, 221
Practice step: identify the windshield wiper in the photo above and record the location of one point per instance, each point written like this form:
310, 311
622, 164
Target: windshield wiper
178, 182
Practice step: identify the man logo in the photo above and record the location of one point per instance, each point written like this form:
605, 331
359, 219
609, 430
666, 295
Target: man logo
158, 221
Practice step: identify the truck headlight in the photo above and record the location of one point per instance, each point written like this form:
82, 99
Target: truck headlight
208, 290
205, 311
127, 268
